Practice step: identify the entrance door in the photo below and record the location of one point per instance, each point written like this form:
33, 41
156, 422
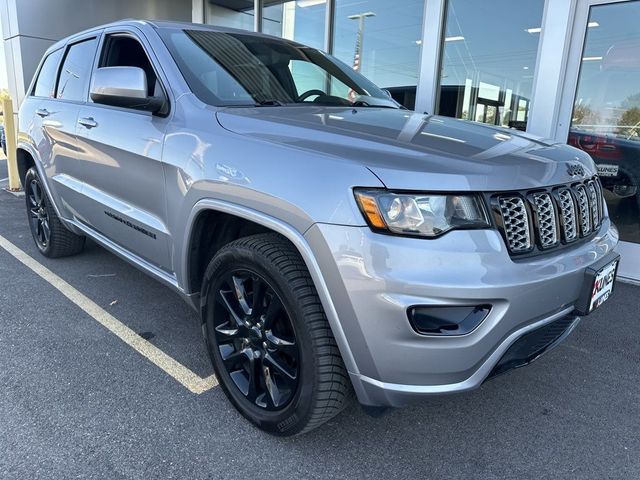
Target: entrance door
605, 110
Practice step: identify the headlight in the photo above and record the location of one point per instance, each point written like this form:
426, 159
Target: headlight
421, 214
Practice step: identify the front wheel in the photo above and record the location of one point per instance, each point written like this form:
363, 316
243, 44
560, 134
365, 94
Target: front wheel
52, 238
268, 337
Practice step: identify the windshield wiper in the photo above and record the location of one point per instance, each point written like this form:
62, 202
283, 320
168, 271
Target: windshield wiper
271, 102
361, 103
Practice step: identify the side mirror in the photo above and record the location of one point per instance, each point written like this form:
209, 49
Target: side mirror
123, 87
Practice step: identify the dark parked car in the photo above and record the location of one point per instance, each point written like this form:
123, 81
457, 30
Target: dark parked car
3, 140
617, 159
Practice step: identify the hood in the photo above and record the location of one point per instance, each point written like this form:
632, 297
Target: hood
413, 151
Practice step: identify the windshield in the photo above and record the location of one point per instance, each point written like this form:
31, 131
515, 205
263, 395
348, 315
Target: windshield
237, 69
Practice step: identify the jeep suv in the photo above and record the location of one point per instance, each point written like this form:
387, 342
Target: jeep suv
333, 242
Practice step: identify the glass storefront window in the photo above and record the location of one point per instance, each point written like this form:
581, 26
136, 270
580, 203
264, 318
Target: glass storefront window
488, 60
299, 20
382, 40
230, 13
606, 115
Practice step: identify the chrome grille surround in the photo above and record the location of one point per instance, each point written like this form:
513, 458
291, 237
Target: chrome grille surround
516, 223
546, 218
567, 208
547, 229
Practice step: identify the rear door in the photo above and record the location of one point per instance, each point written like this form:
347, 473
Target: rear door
121, 151
57, 115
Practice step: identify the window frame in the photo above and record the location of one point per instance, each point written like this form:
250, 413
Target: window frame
160, 78
75, 41
32, 91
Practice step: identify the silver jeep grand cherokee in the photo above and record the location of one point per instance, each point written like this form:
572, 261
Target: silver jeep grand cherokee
332, 241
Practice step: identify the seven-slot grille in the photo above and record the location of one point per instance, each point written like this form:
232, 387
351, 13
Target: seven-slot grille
547, 218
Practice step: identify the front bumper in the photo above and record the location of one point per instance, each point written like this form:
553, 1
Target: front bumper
373, 279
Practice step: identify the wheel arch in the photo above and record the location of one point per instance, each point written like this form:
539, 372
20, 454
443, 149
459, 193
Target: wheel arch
28, 157
25, 161
264, 223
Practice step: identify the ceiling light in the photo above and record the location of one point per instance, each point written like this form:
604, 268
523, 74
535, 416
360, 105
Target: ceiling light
454, 39
591, 59
418, 42
539, 29
310, 3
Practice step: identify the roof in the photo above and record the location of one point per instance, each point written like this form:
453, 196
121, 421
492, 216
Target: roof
158, 24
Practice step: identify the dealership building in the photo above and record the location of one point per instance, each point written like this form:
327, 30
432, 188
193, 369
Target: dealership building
567, 70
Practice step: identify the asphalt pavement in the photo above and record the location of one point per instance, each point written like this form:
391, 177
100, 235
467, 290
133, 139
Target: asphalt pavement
78, 402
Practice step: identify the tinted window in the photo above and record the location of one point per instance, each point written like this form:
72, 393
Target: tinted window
76, 69
224, 68
46, 82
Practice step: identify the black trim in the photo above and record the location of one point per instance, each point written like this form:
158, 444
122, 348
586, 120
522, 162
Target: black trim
584, 301
447, 320
536, 249
533, 344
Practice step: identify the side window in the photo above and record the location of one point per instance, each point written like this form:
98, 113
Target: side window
125, 51
46, 81
76, 69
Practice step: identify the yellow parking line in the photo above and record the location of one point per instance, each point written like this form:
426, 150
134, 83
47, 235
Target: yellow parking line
191, 381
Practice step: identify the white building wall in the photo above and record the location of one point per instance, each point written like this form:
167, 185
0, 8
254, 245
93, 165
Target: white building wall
29, 27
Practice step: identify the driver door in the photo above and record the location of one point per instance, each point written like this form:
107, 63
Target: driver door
121, 151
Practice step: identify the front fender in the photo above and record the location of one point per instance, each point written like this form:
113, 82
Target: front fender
300, 243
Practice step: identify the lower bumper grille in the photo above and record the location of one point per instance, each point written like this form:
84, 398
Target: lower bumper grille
533, 344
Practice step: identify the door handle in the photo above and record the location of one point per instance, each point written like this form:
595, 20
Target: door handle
43, 112
88, 122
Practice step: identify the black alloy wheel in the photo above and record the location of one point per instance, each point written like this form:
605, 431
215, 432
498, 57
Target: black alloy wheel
256, 339
38, 216
268, 337
50, 235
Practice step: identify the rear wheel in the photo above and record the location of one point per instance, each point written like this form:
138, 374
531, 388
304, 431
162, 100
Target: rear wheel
269, 339
52, 238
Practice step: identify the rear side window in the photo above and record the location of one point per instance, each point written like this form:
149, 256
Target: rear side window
46, 82
75, 71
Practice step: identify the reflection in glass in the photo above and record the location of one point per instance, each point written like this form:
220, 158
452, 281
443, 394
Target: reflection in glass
230, 13
488, 60
299, 20
606, 115
382, 40
240, 69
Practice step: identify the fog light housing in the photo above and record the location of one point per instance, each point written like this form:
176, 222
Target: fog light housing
446, 320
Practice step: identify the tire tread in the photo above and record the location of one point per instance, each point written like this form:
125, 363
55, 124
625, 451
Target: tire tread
333, 389
62, 241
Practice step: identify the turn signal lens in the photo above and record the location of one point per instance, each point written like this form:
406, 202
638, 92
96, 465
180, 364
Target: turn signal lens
369, 207
422, 214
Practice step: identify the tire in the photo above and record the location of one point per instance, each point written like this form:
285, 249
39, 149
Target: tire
51, 237
278, 330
